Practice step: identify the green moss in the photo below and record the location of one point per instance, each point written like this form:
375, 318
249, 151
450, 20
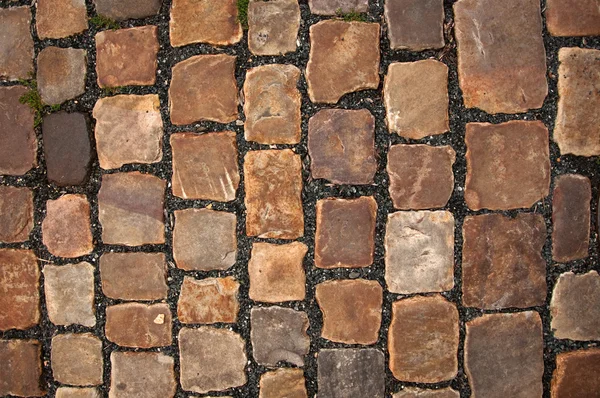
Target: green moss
351, 16
33, 99
242, 7
108, 91
102, 22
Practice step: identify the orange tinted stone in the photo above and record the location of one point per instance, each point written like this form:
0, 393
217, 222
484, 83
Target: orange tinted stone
77, 359
576, 374
142, 374
18, 144
283, 383
573, 17
273, 26
19, 290
72, 392
16, 214
138, 325
16, 43
21, 370
411, 392
55, 19
210, 300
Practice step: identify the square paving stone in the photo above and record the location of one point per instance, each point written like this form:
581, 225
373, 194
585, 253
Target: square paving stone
72, 392
61, 74
344, 57
508, 164
16, 43
335, 7
576, 374
77, 359
55, 19
21, 370
273, 26
415, 24
142, 374
205, 166
502, 263
16, 214
127, 9
573, 17
18, 144
19, 290
204, 240
345, 234
423, 339
283, 383
210, 300
139, 325
419, 252
411, 392
341, 145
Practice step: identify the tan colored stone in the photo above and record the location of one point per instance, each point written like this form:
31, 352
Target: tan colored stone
69, 291
134, 276
210, 300
273, 26
344, 57
576, 374
16, 43
142, 374
573, 17
72, 392
415, 24
19, 290
61, 74
21, 370
77, 359
18, 144
16, 214
283, 383
134, 325
127, 9
55, 19
411, 392
334, 7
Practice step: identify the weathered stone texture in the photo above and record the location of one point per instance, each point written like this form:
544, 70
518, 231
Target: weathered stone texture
16, 214
18, 144
573, 17
127, 9
210, 300
273, 26
77, 359
61, 74
576, 374
73, 392
411, 392
141, 374
283, 383
56, 19
415, 24
16, 43
19, 290
139, 325
21, 370
333, 7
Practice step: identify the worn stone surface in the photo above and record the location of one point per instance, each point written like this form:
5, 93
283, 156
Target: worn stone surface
415, 24
19, 290
412, 392
273, 198
573, 17
421, 176
335, 7
203, 87
415, 95
576, 374
419, 252
61, 74
344, 57
127, 9
423, 339
272, 104
501, 55
504, 355
351, 310
574, 306
16, 43
278, 335
205, 166
273, 26
21, 370
141, 374
16, 214
66, 230
345, 234
18, 144
72, 392
129, 129
139, 325
130, 209
341, 145
210, 300
577, 126
55, 19
77, 359
222, 355
508, 164
283, 383
204, 239
134, 276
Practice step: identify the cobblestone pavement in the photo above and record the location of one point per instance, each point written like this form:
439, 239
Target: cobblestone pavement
299, 198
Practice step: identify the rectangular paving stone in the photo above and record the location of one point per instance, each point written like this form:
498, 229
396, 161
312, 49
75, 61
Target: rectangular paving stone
18, 144
61, 74
16, 214
142, 374
210, 300
72, 392
21, 370
19, 290
76, 359
283, 383
134, 276
415, 24
127, 9
573, 17
55, 19
334, 7
16, 43
576, 374
139, 325
411, 392
273, 26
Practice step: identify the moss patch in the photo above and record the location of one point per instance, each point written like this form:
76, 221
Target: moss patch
242, 17
102, 22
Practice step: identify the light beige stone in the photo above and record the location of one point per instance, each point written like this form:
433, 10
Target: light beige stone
76, 359
61, 74
273, 26
72, 392
283, 383
142, 374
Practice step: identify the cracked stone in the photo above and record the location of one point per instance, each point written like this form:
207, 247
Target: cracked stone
72, 392
334, 7
142, 374
77, 359
415, 24
19, 290
132, 325
18, 143
56, 19
411, 392
273, 26
16, 214
61, 74
210, 300
127, 9
576, 374
21, 372
573, 17
283, 383
16, 43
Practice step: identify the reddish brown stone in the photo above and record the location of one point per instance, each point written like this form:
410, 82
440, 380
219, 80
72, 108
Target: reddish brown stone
72, 392
127, 9
142, 374
576, 374
345, 235
411, 392
273, 26
210, 300
283, 383
55, 19
415, 24
18, 145
21, 370
16, 44
77, 359
139, 325
19, 290
573, 17
16, 214
334, 7
60, 74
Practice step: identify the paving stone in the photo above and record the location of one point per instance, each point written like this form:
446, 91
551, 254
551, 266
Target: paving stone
205, 166
278, 334
67, 148
508, 164
504, 355
21, 372
576, 374
71, 392
351, 310
423, 339
142, 374
19, 291
130, 207
55, 19
577, 123
344, 57
16, 43
412, 392
204, 240
573, 17
61, 74
283, 383
335, 7
127, 9
341, 145
203, 87
18, 144
351, 373
415, 24
223, 363
345, 235
277, 272
421, 176
273, 183
210, 300
134, 276
501, 55
139, 325
574, 307
416, 98
272, 104
419, 252
66, 230
16, 214
204, 22
69, 291
129, 129
77, 359
273, 26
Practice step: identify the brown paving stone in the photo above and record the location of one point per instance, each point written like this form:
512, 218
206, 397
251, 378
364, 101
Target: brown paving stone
72, 392
55, 19
283, 383
61, 74
423, 339
210, 300
142, 374
577, 123
574, 307
21, 370
18, 144
501, 56
504, 355
576, 374
127, 9
69, 291
204, 240
19, 290
130, 207
274, 194
203, 87
508, 165
273, 26
276, 272
134, 276
419, 252
139, 325
129, 129
344, 57
205, 166
415, 24
573, 17
333, 7
211, 359
345, 235
278, 334
416, 98
272, 104
77, 359
341, 145
412, 392
66, 229
16, 214
16, 43
351, 310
